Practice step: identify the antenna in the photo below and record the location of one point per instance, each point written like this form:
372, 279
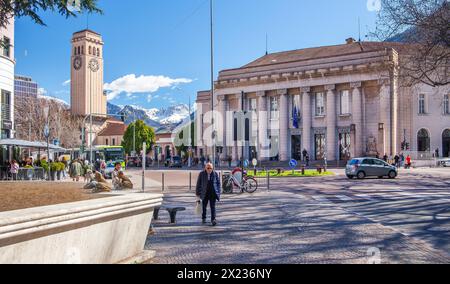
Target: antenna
267, 44
359, 29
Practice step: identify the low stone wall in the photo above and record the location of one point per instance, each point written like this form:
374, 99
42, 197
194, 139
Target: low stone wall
99, 231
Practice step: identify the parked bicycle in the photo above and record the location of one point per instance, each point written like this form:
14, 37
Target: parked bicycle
246, 184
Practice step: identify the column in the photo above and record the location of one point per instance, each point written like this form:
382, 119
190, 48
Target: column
223, 132
237, 149
307, 119
357, 118
385, 118
331, 122
263, 141
284, 125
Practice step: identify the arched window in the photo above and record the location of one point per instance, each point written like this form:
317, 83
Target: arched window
446, 143
75, 51
98, 52
90, 50
423, 141
82, 50
79, 50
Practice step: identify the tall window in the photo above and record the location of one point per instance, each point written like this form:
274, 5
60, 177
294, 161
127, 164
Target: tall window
447, 104
98, 52
320, 104
422, 105
6, 47
319, 146
274, 113
90, 50
253, 106
345, 102
114, 142
6, 105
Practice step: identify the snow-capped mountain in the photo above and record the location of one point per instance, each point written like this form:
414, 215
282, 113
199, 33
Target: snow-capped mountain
153, 117
56, 100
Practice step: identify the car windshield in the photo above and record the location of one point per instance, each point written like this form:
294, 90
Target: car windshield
353, 162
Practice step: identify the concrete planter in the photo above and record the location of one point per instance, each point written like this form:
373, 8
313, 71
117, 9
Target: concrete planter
107, 230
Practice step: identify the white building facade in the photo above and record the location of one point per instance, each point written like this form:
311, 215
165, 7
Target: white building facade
334, 102
7, 64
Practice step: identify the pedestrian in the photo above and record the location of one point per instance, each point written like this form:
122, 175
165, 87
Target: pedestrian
385, 158
408, 162
437, 153
75, 170
307, 159
208, 191
304, 153
397, 161
14, 169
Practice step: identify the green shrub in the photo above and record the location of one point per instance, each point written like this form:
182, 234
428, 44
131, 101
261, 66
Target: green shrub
44, 165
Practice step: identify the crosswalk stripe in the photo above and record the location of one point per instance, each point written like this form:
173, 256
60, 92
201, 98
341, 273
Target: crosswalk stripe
344, 198
321, 199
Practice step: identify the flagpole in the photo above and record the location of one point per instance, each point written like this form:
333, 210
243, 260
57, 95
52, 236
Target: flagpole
211, 10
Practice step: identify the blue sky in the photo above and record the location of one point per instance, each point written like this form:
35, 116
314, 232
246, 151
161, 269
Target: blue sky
170, 39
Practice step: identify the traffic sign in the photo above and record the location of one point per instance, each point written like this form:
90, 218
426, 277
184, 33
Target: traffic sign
246, 163
255, 162
293, 164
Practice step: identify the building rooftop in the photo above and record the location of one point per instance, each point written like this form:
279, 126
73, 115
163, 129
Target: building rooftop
351, 47
113, 128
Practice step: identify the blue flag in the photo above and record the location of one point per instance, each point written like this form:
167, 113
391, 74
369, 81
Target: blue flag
296, 116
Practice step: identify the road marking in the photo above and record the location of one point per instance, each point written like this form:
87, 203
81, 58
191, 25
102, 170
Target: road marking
344, 198
365, 196
321, 199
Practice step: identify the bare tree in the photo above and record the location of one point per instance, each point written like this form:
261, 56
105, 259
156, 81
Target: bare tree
30, 120
424, 27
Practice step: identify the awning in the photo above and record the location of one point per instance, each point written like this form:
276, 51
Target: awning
28, 144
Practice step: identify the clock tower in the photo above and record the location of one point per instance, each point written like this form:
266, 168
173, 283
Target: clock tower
86, 85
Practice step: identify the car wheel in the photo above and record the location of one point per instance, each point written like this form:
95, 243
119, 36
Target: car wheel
361, 175
380, 177
392, 174
350, 177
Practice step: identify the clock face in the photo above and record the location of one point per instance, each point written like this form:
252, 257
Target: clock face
94, 65
77, 63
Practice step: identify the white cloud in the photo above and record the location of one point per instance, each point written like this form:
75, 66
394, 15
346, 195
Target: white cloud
149, 98
142, 84
66, 83
42, 92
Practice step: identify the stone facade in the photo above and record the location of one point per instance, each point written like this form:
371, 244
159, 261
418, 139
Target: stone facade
348, 99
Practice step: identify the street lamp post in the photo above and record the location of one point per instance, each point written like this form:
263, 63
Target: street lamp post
47, 136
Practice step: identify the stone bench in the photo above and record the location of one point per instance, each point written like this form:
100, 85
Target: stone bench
172, 210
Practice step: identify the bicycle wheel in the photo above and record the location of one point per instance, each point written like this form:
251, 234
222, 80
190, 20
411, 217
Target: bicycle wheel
251, 185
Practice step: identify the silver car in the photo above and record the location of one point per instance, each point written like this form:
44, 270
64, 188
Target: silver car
370, 167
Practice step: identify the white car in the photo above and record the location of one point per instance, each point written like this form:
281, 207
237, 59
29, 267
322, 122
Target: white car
445, 163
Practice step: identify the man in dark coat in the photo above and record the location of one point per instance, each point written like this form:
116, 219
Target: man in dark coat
208, 191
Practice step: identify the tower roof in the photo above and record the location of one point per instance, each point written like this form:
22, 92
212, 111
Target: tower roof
86, 30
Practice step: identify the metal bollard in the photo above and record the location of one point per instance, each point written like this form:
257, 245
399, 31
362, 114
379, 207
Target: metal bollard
190, 181
268, 180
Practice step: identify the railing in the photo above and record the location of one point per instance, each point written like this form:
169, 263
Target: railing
23, 174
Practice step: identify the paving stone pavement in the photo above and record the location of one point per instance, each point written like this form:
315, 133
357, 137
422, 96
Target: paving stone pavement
281, 226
